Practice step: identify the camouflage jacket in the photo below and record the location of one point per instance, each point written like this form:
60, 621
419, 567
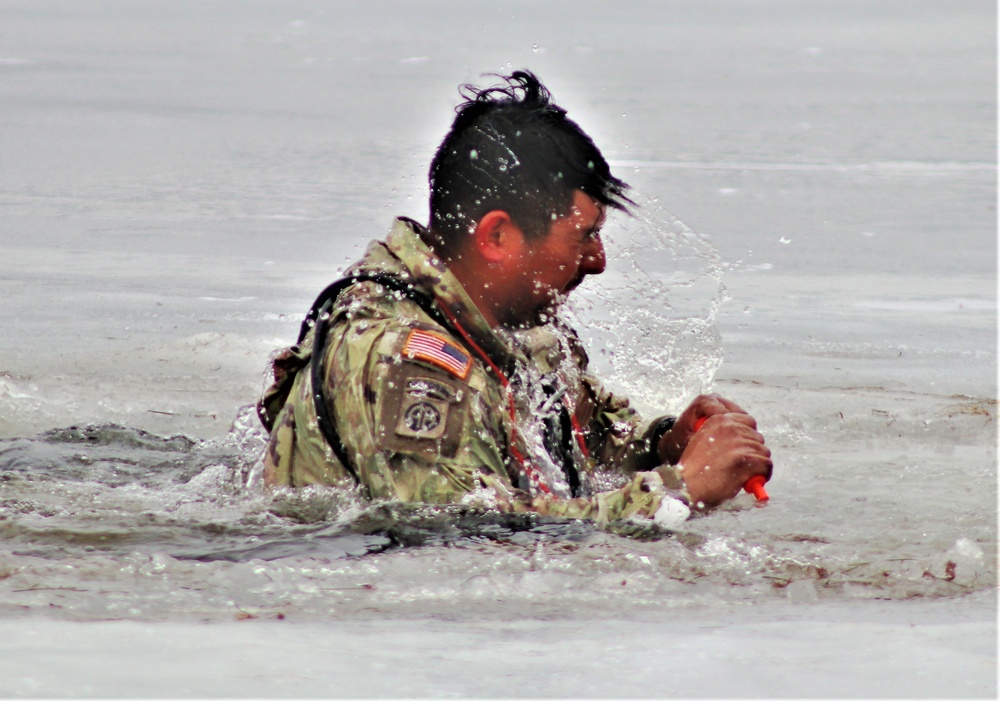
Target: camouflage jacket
457, 414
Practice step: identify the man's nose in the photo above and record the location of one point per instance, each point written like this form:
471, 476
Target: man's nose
594, 261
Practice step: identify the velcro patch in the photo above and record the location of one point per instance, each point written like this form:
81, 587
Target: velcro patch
422, 411
439, 351
421, 417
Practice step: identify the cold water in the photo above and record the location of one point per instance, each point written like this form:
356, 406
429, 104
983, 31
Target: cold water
816, 240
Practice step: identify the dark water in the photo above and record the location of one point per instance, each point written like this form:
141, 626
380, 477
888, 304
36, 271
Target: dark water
104, 520
113, 490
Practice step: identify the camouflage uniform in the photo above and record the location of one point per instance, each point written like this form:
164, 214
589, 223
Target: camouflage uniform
424, 418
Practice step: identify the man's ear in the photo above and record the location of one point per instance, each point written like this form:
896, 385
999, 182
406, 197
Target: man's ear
497, 237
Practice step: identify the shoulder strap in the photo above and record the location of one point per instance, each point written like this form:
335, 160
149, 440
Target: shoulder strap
319, 316
391, 282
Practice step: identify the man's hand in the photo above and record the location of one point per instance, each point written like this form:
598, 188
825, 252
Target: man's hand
673, 443
716, 461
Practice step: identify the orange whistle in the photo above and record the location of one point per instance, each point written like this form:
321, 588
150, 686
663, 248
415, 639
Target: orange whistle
754, 485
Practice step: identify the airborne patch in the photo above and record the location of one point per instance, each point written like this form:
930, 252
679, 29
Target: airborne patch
422, 412
420, 417
439, 351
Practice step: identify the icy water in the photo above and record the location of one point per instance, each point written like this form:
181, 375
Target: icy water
178, 181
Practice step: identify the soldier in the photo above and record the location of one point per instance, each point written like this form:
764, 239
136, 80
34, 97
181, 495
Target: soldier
437, 369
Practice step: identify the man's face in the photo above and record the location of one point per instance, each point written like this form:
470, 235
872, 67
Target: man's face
552, 266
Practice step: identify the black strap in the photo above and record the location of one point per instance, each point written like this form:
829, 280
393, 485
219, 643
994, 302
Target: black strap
319, 316
396, 284
557, 438
662, 425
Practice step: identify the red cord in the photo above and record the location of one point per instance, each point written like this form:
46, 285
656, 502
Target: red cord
534, 476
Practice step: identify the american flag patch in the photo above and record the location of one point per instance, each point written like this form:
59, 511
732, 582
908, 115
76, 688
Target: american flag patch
437, 350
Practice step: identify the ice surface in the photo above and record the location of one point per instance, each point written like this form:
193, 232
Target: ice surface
818, 242
894, 651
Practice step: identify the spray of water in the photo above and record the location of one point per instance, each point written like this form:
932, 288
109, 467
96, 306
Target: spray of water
649, 320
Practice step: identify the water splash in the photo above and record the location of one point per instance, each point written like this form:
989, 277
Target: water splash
649, 320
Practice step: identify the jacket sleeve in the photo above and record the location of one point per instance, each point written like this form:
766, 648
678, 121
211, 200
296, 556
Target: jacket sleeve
657, 495
616, 436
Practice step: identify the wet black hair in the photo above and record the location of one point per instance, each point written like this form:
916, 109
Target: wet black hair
511, 148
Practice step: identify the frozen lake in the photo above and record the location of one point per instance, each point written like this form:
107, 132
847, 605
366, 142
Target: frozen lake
179, 180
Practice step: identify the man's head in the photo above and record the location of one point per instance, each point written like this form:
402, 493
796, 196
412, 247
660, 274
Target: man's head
512, 149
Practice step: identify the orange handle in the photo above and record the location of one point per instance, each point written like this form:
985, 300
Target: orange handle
754, 485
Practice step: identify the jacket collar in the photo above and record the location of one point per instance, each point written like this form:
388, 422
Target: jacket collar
431, 275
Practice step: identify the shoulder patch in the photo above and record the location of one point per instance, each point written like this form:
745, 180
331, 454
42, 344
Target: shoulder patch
421, 412
439, 351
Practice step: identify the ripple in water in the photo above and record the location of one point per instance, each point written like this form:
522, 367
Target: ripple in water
114, 522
